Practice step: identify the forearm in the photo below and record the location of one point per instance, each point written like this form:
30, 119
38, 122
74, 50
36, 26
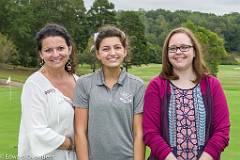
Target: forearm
81, 140
138, 144
139, 148
81, 146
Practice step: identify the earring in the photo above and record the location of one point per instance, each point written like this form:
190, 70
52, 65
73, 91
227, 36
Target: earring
69, 65
42, 62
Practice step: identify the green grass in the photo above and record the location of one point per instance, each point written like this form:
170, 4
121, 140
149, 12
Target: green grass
232, 152
146, 72
230, 79
229, 76
10, 106
9, 121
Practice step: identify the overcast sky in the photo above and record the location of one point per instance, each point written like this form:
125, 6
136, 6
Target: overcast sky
218, 7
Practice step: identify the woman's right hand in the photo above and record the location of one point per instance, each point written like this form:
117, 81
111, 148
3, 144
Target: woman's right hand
67, 144
71, 144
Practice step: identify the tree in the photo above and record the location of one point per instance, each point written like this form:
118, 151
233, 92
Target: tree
212, 45
70, 14
232, 32
102, 12
21, 19
155, 53
131, 24
6, 14
21, 32
88, 56
30, 16
8, 52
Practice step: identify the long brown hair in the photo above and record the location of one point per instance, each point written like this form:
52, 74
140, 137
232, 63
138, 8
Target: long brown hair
199, 67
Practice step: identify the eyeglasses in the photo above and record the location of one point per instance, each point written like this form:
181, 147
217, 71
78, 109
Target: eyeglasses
182, 48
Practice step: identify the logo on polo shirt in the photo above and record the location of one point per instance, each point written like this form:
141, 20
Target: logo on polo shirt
126, 97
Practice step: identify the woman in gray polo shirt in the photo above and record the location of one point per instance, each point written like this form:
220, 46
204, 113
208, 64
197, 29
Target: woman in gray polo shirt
109, 105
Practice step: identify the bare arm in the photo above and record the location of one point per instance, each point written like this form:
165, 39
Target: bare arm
139, 147
81, 141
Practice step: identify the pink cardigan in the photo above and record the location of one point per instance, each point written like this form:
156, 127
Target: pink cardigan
219, 123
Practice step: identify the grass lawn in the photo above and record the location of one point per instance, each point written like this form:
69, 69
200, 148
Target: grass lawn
230, 79
9, 121
10, 106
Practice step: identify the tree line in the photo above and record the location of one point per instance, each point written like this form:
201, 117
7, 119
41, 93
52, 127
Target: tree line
146, 30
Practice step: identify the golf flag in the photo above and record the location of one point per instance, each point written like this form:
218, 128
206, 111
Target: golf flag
8, 80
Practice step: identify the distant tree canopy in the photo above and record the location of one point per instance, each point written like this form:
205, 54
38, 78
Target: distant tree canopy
21, 19
212, 46
8, 52
25, 18
102, 12
131, 24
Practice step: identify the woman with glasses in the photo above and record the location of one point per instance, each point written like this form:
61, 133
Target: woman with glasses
109, 104
46, 130
186, 114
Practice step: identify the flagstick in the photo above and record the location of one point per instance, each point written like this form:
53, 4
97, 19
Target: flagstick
10, 88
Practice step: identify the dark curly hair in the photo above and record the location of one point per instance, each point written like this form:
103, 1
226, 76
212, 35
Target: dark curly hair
53, 29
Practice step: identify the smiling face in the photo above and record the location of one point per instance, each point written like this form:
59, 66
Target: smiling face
55, 52
180, 52
111, 52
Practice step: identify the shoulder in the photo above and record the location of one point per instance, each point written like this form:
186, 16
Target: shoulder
35, 84
157, 81
156, 85
35, 78
85, 82
213, 81
86, 78
135, 79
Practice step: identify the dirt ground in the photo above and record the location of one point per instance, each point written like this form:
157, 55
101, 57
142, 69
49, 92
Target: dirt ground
3, 83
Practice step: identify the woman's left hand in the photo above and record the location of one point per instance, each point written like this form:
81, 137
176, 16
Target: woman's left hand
205, 156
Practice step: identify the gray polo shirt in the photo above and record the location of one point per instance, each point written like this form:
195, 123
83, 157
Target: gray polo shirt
110, 113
